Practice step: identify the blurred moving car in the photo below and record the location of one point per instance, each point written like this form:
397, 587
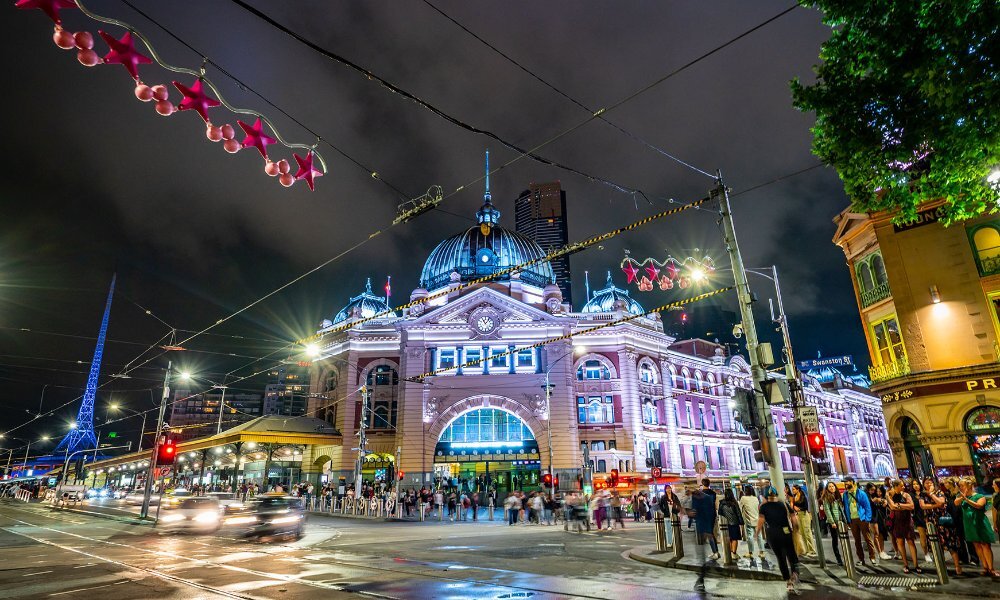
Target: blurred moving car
173, 498
199, 514
135, 499
231, 503
271, 516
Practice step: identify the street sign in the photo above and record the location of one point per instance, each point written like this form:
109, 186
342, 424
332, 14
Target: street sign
112, 434
826, 361
657, 472
810, 419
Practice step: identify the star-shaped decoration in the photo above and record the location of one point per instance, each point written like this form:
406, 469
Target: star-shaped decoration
653, 271
256, 137
123, 52
630, 271
49, 7
306, 169
195, 99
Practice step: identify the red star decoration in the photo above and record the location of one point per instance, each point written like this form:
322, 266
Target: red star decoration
123, 52
49, 7
653, 271
256, 137
630, 271
306, 169
195, 99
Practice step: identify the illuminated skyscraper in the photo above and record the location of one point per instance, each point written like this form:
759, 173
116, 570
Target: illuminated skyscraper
540, 215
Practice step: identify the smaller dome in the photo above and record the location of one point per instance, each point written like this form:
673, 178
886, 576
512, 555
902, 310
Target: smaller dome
610, 299
364, 305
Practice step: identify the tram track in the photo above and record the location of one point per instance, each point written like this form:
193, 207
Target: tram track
503, 590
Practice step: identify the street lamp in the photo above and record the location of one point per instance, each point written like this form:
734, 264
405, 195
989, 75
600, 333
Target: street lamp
27, 449
547, 386
142, 430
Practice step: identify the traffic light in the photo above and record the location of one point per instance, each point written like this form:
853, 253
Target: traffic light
166, 452
745, 408
817, 445
547, 480
794, 440
614, 477
401, 475
761, 446
822, 469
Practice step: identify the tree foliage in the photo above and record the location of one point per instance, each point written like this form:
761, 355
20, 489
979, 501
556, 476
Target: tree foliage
907, 103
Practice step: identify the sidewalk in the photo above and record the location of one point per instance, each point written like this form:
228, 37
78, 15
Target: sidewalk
888, 575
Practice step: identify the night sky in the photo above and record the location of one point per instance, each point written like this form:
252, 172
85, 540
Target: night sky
95, 182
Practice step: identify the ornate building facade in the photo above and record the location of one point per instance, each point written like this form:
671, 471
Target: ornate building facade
457, 387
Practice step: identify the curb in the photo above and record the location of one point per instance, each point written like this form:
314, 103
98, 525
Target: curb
643, 556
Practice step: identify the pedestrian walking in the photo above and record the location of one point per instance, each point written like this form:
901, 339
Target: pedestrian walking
919, 518
880, 519
858, 513
804, 543
778, 523
670, 506
935, 506
729, 508
833, 506
617, 510
976, 524
750, 509
512, 505
903, 532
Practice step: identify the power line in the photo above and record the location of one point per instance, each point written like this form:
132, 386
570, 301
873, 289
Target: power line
564, 94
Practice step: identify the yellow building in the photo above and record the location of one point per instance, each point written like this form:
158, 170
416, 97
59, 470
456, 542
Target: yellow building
929, 297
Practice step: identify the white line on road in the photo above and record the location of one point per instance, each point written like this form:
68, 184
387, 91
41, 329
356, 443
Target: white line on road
38, 573
88, 588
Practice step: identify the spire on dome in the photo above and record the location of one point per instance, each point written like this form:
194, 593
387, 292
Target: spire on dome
487, 216
609, 282
368, 286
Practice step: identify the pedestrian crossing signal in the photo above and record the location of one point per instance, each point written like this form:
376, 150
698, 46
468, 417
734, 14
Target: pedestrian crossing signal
166, 453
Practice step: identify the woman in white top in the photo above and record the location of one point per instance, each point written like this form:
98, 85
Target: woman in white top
750, 507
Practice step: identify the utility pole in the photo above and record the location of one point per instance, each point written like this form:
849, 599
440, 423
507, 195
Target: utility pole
798, 402
222, 405
362, 440
156, 441
757, 370
548, 428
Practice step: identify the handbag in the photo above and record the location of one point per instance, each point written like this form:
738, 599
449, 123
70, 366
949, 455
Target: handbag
946, 520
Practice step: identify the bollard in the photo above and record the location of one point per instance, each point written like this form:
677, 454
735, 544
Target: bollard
675, 526
440, 512
661, 533
846, 551
934, 539
727, 552
491, 509
422, 513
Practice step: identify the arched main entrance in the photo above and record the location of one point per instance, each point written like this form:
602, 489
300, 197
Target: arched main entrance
918, 458
487, 449
982, 424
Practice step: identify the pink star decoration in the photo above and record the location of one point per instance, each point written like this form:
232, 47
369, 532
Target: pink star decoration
653, 271
256, 137
195, 99
306, 169
630, 271
123, 52
49, 7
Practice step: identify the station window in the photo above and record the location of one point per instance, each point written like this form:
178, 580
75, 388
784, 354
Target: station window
526, 357
595, 409
597, 446
499, 358
602, 466
472, 358
593, 369
446, 358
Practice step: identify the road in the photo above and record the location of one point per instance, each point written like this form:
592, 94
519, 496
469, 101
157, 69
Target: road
45, 553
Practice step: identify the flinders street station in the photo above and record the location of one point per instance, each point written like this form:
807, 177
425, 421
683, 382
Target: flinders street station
456, 386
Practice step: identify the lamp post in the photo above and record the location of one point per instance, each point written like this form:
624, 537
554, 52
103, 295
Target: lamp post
142, 430
548, 386
148, 488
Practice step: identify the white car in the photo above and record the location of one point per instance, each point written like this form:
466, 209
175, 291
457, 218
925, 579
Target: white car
198, 514
135, 499
228, 501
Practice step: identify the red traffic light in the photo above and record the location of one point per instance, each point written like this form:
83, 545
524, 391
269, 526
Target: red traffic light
166, 453
817, 445
614, 477
401, 475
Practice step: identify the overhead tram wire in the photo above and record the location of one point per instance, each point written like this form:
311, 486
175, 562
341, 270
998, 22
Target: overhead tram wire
368, 74
565, 95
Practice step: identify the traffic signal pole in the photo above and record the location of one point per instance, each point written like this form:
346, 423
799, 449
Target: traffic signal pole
757, 370
159, 431
798, 402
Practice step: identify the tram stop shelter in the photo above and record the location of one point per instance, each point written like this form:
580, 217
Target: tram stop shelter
268, 450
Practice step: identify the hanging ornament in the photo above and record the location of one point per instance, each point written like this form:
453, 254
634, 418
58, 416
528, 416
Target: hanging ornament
88, 58
630, 270
256, 137
123, 52
306, 169
653, 271
63, 39
645, 285
213, 133
49, 7
195, 99
84, 39
228, 132
665, 283
283, 166
231, 146
286, 179
271, 168
160, 92
165, 107
143, 92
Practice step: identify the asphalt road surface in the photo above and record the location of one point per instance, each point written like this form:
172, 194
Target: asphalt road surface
48, 553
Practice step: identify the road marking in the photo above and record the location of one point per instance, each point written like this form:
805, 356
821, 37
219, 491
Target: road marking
88, 588
38, 573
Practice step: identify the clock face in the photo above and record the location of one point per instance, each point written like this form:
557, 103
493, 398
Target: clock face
484, 324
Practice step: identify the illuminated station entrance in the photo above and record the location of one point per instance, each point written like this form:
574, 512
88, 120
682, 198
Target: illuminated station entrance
487, 449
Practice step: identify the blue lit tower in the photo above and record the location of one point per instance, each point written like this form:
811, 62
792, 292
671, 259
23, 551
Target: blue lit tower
82, 437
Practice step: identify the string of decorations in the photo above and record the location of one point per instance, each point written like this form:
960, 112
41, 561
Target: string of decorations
122, 51
668, 273
564, 251
569, 336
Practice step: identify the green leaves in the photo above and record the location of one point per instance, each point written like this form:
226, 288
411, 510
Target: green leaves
907, 103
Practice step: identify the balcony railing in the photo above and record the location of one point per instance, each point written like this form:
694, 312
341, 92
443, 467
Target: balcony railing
889, 370
989, 262
879, 292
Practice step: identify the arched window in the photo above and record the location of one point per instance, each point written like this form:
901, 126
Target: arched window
484, 425
699, 383
686, 378
987, 242
878, 270
382, 387
648, 374
865, 279
713, 388
675, 381
593, 369
602, 466
649, 416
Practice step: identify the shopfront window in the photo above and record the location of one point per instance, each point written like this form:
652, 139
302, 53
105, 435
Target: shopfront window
888, 342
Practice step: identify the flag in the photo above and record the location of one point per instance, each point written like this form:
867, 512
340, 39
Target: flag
388, 287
